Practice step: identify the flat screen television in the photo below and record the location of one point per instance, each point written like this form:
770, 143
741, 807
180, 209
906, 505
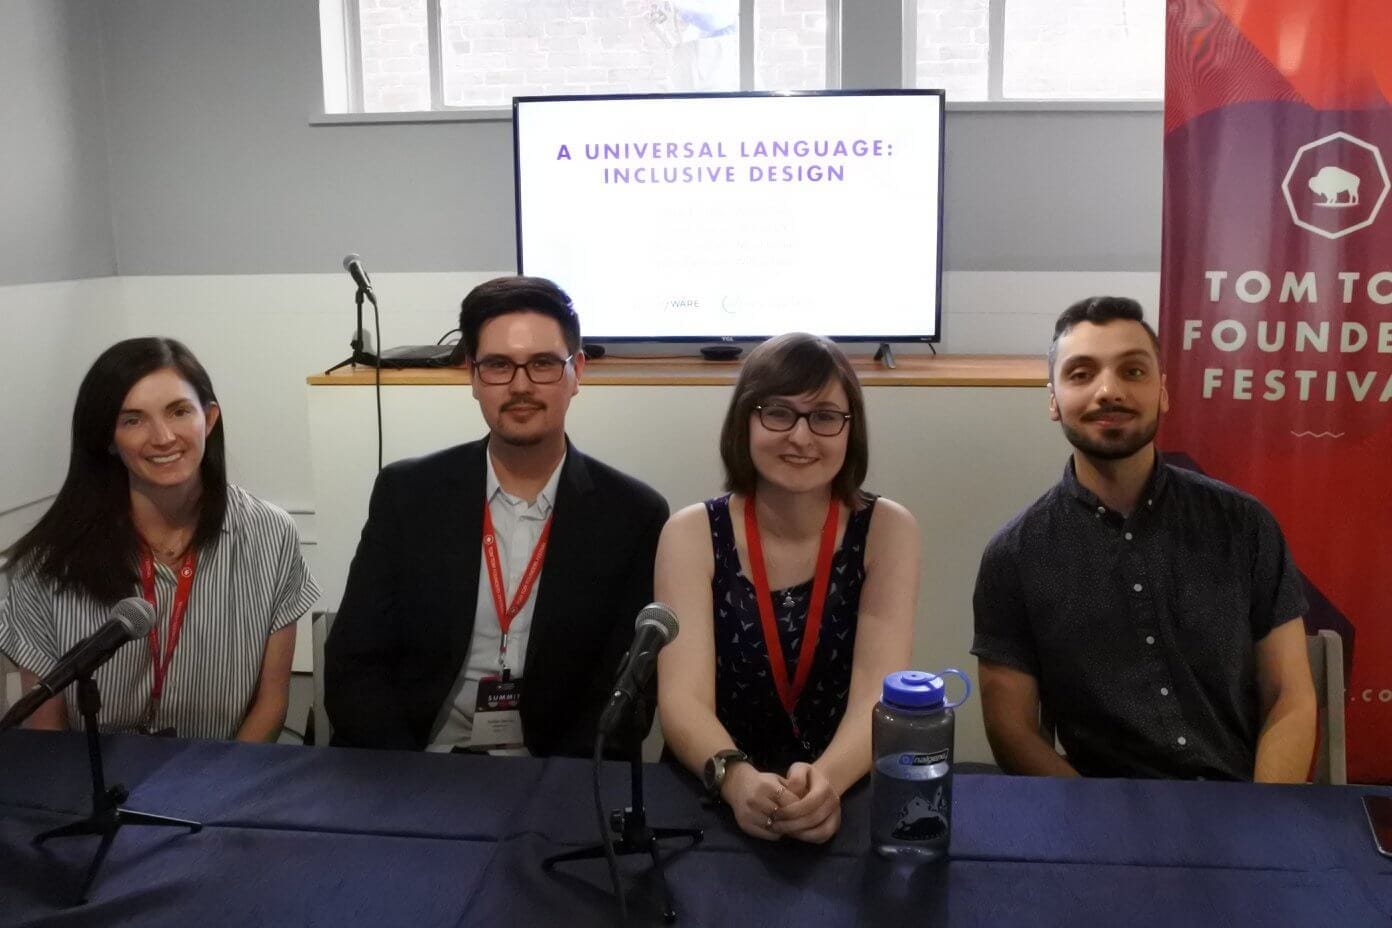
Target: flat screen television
735, 217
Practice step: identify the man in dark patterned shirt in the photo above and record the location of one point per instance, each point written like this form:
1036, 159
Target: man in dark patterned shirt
1153, 612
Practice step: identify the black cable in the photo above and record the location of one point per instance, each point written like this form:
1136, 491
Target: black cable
609, 854
441, 339
377, 376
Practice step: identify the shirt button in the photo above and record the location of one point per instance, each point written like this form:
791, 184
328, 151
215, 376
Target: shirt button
1137, 588
1150, 639
1183, 741
1150, 504
1101, 510
1164, 691
1128, 536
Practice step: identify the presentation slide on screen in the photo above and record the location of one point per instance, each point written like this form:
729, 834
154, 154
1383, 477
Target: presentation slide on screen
743, 216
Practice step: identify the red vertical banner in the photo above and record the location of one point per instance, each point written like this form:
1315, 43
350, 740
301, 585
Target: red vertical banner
1276, 299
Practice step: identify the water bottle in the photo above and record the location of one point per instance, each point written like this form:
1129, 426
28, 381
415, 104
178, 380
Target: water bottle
911, 782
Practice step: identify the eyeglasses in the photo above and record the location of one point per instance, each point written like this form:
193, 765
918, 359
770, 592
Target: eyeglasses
827, 423
543, 369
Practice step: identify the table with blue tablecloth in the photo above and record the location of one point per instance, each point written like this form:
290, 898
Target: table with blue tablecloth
324, 836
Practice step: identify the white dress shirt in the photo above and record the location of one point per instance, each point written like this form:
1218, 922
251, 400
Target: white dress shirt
517, 526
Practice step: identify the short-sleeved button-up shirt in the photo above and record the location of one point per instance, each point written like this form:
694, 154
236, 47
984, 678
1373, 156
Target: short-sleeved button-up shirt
251, 582
1141, 630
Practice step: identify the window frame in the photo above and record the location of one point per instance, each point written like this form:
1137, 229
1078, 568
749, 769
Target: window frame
442, 112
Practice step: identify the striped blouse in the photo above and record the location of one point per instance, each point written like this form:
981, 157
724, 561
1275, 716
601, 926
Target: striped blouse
250, 583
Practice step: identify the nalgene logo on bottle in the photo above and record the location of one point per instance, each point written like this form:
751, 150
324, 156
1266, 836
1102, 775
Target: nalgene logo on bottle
922, 760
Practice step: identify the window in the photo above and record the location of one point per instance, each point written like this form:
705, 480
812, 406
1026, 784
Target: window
420, 55
1041, 49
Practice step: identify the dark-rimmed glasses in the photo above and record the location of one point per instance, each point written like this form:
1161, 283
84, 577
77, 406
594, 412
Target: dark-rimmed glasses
827, 423
542, 369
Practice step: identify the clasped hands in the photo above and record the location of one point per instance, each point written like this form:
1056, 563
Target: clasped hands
802, 805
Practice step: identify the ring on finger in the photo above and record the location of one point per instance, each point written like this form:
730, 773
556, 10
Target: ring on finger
768, 823
778, 795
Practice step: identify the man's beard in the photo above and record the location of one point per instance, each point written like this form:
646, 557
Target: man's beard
1105, 450
519, 441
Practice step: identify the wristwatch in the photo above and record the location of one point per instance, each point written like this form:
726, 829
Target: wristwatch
714, 773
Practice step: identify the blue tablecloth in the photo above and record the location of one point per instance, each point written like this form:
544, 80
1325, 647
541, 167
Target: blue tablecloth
306, 836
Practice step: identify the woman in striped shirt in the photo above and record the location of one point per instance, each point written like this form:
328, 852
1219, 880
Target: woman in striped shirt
146, 510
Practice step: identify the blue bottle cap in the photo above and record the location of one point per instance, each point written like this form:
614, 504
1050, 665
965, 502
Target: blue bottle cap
918, 689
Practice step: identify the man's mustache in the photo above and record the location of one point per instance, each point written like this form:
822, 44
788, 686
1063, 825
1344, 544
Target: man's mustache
1110, 411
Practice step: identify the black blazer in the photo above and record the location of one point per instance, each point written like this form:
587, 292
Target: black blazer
403, 630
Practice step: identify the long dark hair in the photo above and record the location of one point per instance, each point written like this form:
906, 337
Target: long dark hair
791, 365
86, 541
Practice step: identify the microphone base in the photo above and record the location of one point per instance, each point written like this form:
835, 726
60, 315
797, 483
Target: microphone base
106, 821
107, 816
358, 357
634, 836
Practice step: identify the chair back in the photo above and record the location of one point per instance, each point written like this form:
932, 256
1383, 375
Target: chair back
9, 673
1326, 651
322, 623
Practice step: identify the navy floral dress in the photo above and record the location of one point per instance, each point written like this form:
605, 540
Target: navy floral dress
746, 700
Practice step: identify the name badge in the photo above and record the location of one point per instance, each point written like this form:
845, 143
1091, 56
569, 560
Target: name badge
497, 713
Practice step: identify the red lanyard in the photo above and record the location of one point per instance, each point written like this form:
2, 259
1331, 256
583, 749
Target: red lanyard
788, 695
176, 617
506, 612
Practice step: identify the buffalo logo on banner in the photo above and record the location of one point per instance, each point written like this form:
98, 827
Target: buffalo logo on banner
1336, 185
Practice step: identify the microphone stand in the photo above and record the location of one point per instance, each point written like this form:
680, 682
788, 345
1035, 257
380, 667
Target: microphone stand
359, 356
632, 833
107, 815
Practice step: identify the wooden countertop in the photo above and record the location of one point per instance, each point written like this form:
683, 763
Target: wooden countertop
912, 371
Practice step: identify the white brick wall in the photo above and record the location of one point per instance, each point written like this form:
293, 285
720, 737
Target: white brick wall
789, 44
1111, 49
395, 52
952, 42
496, 49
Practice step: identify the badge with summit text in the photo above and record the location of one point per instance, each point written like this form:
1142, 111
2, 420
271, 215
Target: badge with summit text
497, 713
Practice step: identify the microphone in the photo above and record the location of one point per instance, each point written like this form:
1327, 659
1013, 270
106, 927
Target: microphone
131, 618
353, 265
655, 627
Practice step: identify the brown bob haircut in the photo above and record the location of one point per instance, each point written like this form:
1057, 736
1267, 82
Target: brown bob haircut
791, 365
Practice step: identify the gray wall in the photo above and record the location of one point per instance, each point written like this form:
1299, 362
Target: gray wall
53, 180
215, 169
1053, 191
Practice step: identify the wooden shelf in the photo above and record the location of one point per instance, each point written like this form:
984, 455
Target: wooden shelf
913, 371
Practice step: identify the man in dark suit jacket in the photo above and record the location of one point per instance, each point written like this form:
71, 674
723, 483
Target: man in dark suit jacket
415, 605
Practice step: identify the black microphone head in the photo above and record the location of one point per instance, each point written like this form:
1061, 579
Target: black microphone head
658, 616
350, 260
135, 615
